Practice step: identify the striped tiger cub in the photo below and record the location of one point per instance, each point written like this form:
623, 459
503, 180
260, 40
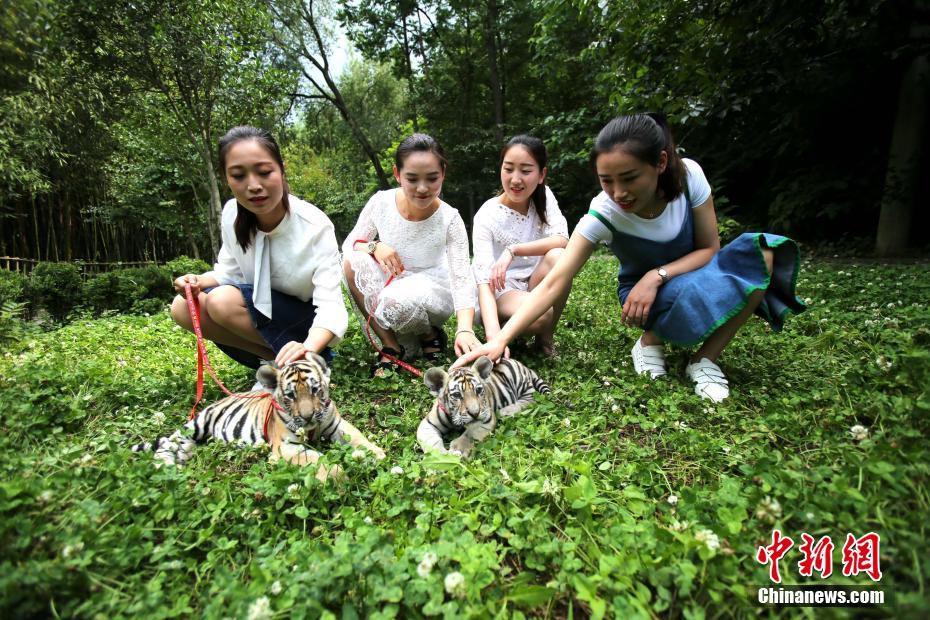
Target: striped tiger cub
470, 399
302, 390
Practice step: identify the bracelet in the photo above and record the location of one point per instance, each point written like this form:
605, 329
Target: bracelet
513, 254
464, 330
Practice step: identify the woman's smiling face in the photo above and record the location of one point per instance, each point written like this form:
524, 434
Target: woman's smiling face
421, 179
629, 181
255, 179
520, 175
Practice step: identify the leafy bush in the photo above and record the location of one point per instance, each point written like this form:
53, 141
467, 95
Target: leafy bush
138, 289
183, 265
56, 287
14, 288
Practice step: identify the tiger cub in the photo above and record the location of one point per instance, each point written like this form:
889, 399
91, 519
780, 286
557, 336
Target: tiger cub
302, 390
470, 399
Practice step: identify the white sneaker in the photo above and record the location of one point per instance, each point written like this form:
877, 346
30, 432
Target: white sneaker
709, 380
649, 359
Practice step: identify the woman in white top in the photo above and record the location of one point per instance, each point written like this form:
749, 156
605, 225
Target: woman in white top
517, 237
274, 292
406, 261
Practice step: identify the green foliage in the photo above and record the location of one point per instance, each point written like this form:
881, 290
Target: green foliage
139, 289
183, 265
56, 287
14, 287
565, 511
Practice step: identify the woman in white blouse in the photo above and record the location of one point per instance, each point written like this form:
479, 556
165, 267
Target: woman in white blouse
274, 292
406, 261
517, 238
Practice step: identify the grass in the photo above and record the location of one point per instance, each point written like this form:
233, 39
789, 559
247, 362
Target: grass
564, 512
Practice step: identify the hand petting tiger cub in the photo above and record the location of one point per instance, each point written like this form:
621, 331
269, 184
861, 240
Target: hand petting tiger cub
307, 415
470, 399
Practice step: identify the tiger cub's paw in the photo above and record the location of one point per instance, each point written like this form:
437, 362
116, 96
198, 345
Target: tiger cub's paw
174, 450
461, 447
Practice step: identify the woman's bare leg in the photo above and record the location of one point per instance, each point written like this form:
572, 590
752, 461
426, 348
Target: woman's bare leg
545, 335
225, 319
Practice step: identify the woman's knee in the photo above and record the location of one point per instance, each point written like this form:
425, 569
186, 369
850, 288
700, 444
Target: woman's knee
544, 322
224, 305
552, 256
180, 313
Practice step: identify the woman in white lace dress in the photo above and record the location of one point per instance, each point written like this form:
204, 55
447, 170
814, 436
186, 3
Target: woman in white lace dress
406, 261
517, 238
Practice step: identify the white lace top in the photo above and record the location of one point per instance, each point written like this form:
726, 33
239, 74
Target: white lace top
436, 247
496, 226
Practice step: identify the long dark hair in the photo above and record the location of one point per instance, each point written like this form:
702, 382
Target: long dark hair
644, 136
246, 222
419, 142
537, 150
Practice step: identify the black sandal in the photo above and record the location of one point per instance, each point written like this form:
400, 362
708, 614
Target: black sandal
439, 342
380, 364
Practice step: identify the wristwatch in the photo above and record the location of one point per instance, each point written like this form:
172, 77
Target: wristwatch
371, 245
663, 274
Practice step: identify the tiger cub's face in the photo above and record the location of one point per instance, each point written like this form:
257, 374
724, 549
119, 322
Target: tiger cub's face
301, 388
462, 391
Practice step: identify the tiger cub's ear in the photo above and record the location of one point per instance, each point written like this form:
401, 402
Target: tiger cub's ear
267, 375
319, 361
435, 378
483, 366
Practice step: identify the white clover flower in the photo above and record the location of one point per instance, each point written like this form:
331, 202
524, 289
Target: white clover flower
672, 500
397, 470
425, 567
567, 422
505, 475
260, 609
890, 305
276, 588
293, 488
710, 540
809, 516
87, 458
301, 432
46, 496
70, 550
680, 425
679, 526
859, 432
205, 491
883, 363
615, 408
158, 417
726, 449
368, 520
768, 510
549, 487
455, 584
358, 454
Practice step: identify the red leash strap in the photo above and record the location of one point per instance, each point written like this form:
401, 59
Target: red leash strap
193, 307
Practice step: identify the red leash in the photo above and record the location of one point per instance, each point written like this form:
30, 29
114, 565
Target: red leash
193, 307
411, 369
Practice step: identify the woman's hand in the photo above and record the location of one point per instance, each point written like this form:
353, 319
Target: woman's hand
389, 260
490, 334
499, 270
639, 301
192, 279
492, 349
466, 341
291, 352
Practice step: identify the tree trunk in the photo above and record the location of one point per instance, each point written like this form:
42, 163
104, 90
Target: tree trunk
216, 206
904, 156
490, 44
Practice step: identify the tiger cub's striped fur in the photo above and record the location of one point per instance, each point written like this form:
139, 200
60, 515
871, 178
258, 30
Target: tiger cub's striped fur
470, 399
302, 390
